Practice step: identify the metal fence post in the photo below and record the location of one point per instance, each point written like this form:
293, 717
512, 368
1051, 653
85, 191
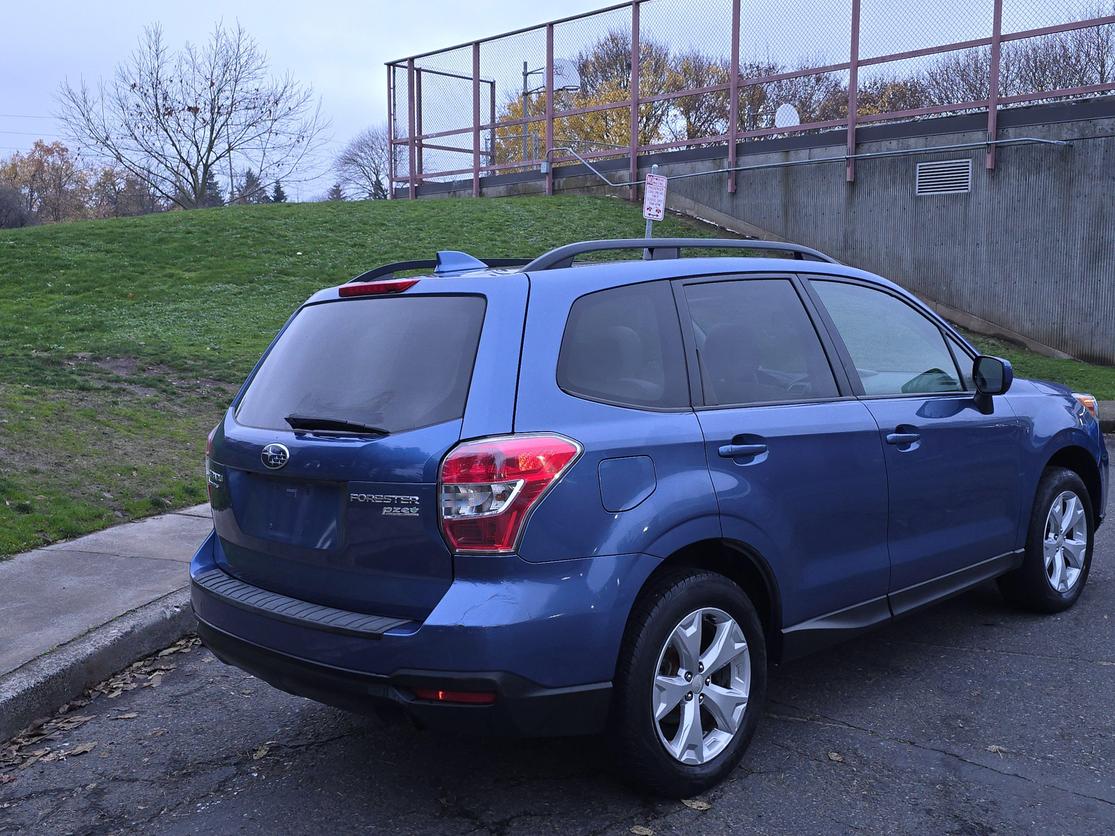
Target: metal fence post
418, 119
853, 95
634, 99
993, 84
391, 131
476, 119
410, 129
546, 155
733, 98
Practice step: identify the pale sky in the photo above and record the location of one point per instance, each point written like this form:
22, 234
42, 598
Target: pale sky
337, 46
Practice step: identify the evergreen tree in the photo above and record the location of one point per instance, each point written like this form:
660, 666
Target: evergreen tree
335, 192
277, 193
213, 194
250, 189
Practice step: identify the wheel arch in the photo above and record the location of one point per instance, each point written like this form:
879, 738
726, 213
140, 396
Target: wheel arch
1077, 459
743, 565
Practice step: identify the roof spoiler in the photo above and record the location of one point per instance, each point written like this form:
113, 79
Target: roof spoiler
448, 262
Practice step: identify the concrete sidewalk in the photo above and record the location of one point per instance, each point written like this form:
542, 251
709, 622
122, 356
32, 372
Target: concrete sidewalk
73, 613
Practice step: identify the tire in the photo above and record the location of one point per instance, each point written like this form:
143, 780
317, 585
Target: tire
1051, 579
684, 601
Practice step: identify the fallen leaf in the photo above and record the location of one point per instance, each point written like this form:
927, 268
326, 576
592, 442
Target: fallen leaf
6, 779
836, 757
127, 715
995, 748
261, 752
642, 830
696, 804
81, 749
72, 721
34, 757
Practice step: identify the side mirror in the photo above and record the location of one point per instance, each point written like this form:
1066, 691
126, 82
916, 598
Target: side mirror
992, 375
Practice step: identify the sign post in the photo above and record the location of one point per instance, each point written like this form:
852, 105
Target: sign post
654, 199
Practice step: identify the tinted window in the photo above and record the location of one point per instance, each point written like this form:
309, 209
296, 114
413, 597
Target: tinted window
756, 343
964, 363
624, 346
896, 350
398, 363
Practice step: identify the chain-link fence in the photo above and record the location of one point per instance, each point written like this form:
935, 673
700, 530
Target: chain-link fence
654, 75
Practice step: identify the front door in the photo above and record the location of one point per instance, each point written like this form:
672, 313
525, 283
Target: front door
952, 458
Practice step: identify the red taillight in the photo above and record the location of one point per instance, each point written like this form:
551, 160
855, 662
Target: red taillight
489, 487
463, 697
376, 288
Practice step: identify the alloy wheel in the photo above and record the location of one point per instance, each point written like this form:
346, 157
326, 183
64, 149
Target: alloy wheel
701, 686
1065, 542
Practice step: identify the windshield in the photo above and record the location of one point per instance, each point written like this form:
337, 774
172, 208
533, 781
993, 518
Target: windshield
396, 363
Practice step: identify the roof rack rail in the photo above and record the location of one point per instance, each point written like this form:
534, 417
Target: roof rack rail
447, 261
664, 248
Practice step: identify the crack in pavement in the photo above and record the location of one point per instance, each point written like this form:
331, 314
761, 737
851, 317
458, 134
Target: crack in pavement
998, 650
837, 723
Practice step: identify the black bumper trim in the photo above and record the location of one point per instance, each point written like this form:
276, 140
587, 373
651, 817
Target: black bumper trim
239, 594
522, 707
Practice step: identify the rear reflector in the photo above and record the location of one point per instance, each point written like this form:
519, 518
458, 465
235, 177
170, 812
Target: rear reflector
489, 487
460, 697
376, 288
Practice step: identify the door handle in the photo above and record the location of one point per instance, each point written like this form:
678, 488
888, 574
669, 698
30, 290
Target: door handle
735, 451
902, 439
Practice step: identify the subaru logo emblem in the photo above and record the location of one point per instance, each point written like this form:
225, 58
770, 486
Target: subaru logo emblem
275, 456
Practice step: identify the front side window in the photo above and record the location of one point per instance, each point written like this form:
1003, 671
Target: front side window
756, 344
623, 346
896, 350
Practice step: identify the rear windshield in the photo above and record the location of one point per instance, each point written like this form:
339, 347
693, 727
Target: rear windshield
398, 363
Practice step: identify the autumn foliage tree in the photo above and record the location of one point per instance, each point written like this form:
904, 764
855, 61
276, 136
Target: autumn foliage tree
1057, 61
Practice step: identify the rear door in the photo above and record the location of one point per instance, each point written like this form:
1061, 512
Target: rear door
324, 479
952, 459
795, 458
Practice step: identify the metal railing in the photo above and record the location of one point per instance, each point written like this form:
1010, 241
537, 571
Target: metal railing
655, 75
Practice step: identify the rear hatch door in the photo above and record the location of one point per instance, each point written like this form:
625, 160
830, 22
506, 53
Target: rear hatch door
323, 477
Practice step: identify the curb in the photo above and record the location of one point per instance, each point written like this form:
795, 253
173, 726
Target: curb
37, 688
1107, 416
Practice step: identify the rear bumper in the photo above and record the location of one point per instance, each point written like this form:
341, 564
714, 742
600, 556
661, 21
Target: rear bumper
543, 638
521, 707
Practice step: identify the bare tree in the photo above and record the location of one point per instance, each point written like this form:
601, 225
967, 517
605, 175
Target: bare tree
362, 165
174, 120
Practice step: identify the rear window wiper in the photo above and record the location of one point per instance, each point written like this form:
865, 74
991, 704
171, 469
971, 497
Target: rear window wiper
337, 425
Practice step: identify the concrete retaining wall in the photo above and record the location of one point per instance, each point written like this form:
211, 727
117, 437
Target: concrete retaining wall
1029, 251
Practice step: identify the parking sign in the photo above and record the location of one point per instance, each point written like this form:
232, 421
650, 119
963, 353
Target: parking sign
654, 197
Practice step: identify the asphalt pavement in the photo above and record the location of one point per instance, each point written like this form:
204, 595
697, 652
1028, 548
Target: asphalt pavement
967, 718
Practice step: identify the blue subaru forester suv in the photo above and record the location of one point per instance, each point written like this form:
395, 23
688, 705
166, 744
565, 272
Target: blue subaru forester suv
558, 499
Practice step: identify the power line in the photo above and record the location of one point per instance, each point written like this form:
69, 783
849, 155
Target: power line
24, 116
28, 133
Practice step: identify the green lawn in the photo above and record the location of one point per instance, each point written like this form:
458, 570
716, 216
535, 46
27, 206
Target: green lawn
1083, 377
121, 342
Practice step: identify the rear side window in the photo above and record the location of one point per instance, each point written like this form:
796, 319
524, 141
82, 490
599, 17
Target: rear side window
623, 346
398, 363
896, 349
756, 343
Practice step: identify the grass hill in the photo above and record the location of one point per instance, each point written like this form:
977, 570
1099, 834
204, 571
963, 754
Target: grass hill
122, 342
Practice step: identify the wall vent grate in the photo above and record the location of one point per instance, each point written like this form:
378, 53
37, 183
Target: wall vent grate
944, 177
